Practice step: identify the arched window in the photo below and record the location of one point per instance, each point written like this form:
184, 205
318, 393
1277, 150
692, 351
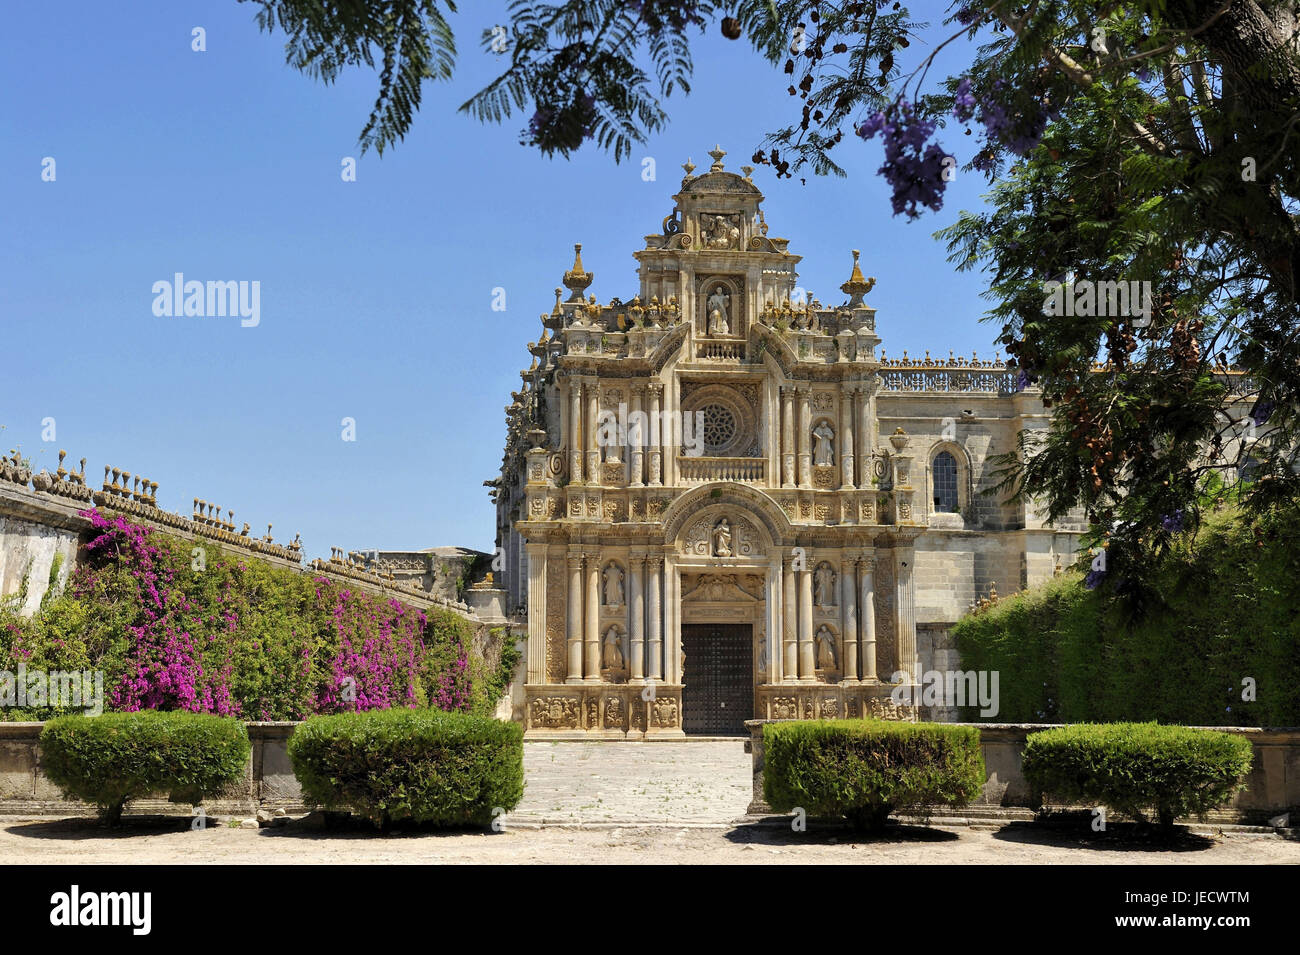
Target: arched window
944, 482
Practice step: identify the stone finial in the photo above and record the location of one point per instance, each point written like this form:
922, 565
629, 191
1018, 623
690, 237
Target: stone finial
557, 311
577, 278
689, 168
748, 171
717, 152
857, 286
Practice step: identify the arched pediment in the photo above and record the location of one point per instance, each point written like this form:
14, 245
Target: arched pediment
739, 502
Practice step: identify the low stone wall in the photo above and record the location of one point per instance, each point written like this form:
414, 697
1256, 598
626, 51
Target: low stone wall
1272, 788
268, 781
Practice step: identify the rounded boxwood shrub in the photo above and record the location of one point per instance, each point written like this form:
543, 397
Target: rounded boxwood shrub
109, 759
863, 769
1137, 768
424, 766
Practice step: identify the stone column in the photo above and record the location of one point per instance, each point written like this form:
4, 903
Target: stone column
574, 634
637, 439
807, 658
868, 620
575, 431
805, 437
537, 613
592, 613
636, 623
787, 436
790, 632
772, 628
672, 625
864, 440
846, 439
849, 608
592, 431
906, 612
654, 617
656, 434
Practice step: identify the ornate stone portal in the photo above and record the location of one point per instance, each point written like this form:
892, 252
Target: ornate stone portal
708, 452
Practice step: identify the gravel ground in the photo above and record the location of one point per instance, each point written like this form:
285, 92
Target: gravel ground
83, 841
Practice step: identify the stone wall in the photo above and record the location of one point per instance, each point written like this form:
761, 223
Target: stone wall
1272, 788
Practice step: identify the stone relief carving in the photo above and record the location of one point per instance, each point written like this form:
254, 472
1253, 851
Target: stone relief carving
555, 712
615, 714
720, 231
723, 537
556, 593
785, 708
664, 711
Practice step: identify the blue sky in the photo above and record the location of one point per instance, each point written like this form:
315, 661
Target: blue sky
376, 294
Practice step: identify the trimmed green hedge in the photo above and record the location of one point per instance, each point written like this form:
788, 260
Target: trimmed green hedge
863, 769
109, 759
424, 766
1134, 768
1223, 607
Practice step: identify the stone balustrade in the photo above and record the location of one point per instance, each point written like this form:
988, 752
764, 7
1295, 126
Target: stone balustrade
701, 470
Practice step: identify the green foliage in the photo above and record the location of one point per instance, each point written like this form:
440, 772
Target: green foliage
492, 671
256, 640
1223, 606
1136, 768
422, 766
107, 760
412, 38
863, 769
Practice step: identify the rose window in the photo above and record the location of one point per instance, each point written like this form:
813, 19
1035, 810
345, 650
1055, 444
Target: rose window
719, 428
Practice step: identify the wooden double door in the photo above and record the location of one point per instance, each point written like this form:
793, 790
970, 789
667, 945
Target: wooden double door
717, 678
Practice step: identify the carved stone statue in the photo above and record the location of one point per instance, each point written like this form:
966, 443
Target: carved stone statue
613, 649
825, 648
824, 448
717, 310
824, 582
719, 232
613, 585
722, 539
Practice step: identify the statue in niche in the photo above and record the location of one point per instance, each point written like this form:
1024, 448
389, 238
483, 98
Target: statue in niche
824, 448
722, 539
825, 648
824, 580
717, 311
613, 585
613, 649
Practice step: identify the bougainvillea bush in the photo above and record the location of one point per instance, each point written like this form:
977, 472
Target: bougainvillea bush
185, 625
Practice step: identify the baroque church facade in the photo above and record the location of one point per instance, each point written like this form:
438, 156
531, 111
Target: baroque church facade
717, 503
